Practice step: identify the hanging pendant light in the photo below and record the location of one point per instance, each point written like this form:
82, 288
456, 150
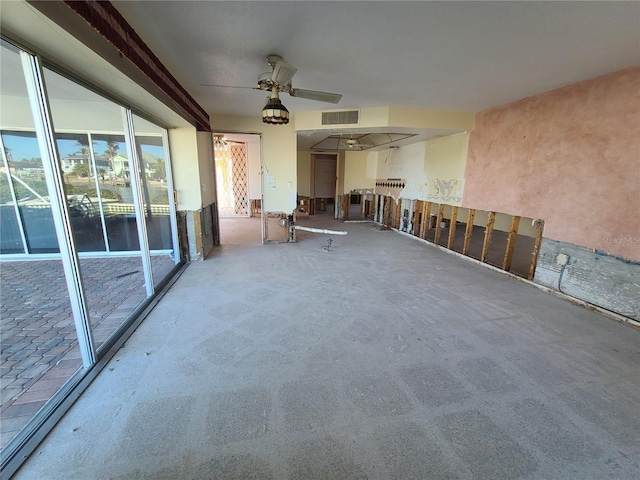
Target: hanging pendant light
274, 113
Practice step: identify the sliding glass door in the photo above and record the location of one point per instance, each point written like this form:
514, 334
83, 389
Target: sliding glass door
87, 234
39, 342
97, 171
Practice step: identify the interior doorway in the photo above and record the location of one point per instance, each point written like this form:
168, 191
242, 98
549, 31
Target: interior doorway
324, 181
238, 166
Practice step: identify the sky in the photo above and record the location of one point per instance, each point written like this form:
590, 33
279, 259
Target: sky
27, 147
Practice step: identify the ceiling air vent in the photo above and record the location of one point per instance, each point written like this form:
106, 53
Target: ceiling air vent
344, 117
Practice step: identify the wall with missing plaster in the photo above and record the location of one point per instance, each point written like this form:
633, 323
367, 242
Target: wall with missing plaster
408, 163
604, 280
569, 156
192, 162
202, 231
433, 170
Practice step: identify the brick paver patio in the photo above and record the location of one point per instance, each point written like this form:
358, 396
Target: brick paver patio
40, 350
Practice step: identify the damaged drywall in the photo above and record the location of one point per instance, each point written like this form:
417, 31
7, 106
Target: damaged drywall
607, 281
446, 190
202, 231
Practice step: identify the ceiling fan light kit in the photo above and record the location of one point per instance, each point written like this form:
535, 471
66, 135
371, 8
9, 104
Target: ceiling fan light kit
274, 113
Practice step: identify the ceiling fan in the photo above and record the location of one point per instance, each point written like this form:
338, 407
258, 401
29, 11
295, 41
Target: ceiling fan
277, 81
361, 142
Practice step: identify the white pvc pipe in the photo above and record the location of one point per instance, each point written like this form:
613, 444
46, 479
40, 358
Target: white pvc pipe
319, 230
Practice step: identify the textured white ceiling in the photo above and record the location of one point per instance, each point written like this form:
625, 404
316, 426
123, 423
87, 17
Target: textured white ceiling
465, 56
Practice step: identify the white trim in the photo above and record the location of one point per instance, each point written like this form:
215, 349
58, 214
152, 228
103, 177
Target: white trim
32, 69
171, 197
136, 175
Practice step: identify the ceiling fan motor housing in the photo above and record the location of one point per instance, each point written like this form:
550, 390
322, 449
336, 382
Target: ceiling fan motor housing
264, 81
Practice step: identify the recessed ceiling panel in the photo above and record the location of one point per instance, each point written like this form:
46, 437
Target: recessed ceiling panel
359, 141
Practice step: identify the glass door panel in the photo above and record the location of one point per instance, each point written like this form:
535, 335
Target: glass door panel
10, 235
30, 188
116, 192
39, 344
100, 239
97, 165
40, 350
156, 197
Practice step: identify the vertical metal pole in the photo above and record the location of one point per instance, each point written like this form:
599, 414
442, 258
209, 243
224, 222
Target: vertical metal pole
136, 172
53, 175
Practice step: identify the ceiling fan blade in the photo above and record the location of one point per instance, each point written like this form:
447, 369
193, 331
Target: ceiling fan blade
283, 73
226, 86
315, 95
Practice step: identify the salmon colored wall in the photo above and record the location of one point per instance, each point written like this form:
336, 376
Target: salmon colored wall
570, 156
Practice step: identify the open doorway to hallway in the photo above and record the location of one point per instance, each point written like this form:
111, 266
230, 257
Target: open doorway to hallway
323, 183
239, 187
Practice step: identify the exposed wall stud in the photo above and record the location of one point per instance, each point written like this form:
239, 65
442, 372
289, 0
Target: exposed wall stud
397, 213
417, 215
436, 240
491, 220
394, 208
452, 228
511, 243
346, 204
536, 248
468, 231
426, 220
386, 217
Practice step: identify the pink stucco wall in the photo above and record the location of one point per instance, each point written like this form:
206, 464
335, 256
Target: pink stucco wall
570, 156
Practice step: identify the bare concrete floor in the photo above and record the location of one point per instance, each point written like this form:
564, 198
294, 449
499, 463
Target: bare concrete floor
383, 358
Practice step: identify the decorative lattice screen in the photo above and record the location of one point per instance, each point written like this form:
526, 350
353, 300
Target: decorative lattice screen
232, 180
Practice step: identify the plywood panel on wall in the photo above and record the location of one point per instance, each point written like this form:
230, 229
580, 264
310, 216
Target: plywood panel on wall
570, 157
